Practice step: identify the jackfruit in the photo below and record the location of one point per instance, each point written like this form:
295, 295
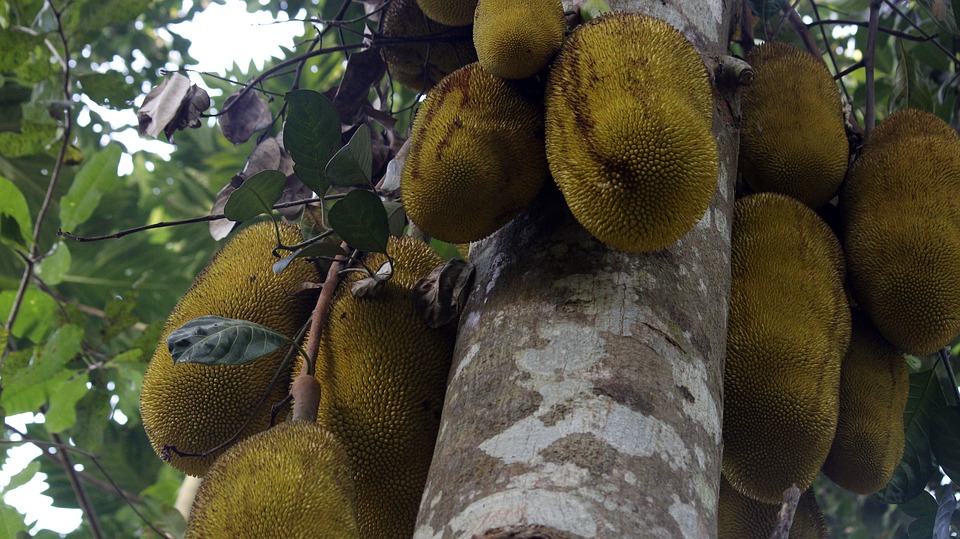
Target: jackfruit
421, 65
450, 12
628, 131
383, 374
792, 138
739, 517
195, 408
874, 384
788, 330
515, 40
476, 156
293, 480
902, 231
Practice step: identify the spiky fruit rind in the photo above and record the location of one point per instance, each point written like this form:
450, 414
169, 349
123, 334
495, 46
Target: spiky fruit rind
421, 65
788, 330
902, 231
874, 386
515, 40
628, 131
384, 373
792, 138
195, 408
450, 12
293, 480
476, 156
740, 517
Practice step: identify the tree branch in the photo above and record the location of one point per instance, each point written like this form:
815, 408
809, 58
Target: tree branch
870, 116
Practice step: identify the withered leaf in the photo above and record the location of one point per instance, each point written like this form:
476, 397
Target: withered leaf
441, 296
244, 113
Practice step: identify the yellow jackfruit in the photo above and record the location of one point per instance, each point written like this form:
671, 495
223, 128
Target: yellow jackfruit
476, 156
383, 374
420, 65
628, 131
515, 40
902, 231
739, 517
788, 330
451, 12
874, 386
293, 480
195, 408
792, 139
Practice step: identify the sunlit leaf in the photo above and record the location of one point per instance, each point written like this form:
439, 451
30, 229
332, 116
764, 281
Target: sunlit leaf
62, 400
36, 315
108, 89
55, 265
916, 467
96, 178
11, 521
15, 223
22, 477
257, 195
214, 340
361, 220
162, 105
351, 164
15, 47
311, 134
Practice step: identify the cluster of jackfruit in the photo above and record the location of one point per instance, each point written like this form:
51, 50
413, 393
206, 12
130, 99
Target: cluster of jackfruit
624, 131
359, 469
808, 386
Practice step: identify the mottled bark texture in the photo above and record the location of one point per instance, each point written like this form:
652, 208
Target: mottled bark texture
585, 395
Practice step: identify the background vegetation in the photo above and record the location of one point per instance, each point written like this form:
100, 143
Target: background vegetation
81, 319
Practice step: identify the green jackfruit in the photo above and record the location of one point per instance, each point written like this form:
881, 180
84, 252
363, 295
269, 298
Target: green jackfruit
450, 12
628, 131
515, 40
874, 385
788, 330
383, 374
195, 408
792, 139
739, 517
476, 156
902, 231
421, 65
293, 480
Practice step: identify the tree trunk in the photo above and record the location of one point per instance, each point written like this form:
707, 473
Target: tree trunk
585, 394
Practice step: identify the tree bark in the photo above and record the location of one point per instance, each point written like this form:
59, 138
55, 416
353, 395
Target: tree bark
585, 394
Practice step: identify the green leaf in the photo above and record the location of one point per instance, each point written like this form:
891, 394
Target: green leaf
766, 9
11, 521
36, 316
922, 528
396, 217
16, 228
214, 340
591, 9
956, 12
47, 362
945, 441
351, 165
910, 86
318, 249
62, 397
924, 505
55, 265
311, 134
15, 48
23, 477
93, 412
916, 467
107, 89
97, 177
361, 220
257, 195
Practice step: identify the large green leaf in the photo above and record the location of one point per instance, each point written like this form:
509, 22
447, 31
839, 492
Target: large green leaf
945, 440
36, 316
911, 87
351, 165
11, 521
916, 467
108, 89
311, 134
55, 265
97, 177
16, 227
257, 195
361, 220
214, 340
62, 401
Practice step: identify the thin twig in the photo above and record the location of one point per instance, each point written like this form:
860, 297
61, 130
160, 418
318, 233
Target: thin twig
833, 57
950, 54
164, 224
801, 28
89, 512
870, 116
320, 312
882, 29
